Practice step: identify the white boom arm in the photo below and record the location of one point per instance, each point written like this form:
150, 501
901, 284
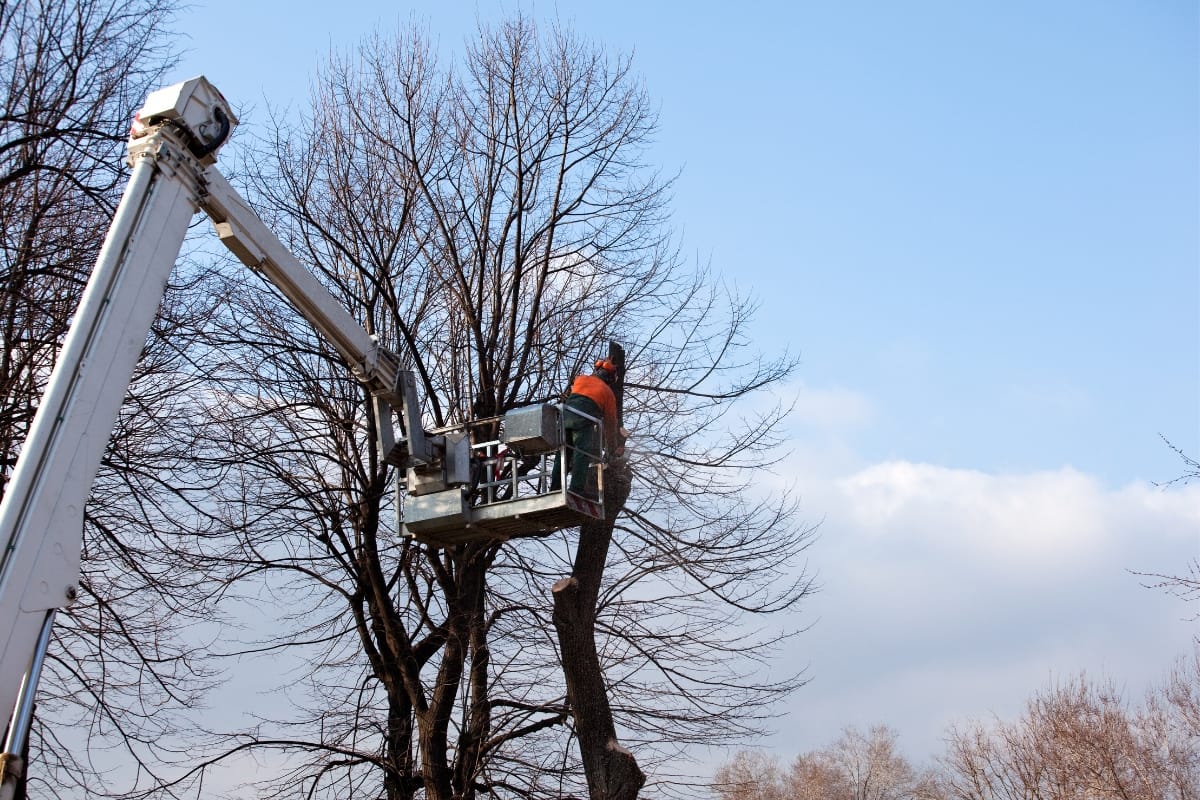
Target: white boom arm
172, 150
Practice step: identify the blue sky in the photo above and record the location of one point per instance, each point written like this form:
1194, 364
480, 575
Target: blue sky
978, 225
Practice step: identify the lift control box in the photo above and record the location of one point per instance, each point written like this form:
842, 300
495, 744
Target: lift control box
532, 429
438, 511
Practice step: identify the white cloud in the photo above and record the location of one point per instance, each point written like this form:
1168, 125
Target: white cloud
952, 593
1050, 517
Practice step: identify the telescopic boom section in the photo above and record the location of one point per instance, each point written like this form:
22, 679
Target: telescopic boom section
245, 234
248, 237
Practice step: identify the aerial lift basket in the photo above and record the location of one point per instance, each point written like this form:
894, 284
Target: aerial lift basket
509, 488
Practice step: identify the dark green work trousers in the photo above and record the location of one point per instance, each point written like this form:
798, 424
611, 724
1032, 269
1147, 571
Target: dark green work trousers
583, 442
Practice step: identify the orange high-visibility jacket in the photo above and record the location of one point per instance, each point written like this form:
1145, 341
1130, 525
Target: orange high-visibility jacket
601, 394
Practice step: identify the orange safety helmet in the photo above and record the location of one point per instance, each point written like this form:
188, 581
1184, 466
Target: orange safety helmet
606, 371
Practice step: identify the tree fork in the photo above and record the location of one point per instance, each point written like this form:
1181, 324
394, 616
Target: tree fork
611, 771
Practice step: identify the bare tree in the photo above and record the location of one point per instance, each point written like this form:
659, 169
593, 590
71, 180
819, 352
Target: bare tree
1191, 467
751, 775
1076, 741
496, 226
856, 766
1081, 741
71, 75
1185, 586
870, 766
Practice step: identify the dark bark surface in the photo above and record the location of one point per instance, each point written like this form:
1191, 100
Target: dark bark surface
612, 771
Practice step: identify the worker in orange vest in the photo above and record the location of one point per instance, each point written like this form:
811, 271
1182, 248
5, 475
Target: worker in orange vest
591, 395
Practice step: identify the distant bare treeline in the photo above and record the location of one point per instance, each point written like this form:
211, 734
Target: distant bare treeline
1079, 740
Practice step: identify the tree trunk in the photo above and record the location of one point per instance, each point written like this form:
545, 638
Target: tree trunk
612, 772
